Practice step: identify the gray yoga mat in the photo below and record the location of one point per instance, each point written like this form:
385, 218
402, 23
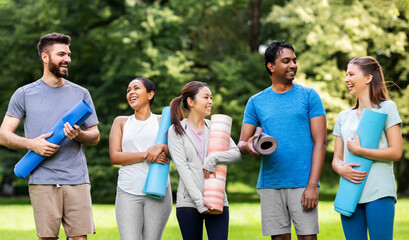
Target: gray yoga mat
264, 144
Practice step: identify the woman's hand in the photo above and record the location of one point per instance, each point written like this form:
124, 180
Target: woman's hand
351, 174
207, 173
156, 154
162, 159
354, 145
206, 204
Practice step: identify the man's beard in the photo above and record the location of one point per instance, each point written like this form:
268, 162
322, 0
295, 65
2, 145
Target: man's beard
54, 69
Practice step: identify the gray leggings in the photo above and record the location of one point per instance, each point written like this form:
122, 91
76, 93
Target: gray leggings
141, 217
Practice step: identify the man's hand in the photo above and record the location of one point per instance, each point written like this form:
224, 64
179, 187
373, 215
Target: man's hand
42, 147
246, 139
309, 199
250, 147
71, 132
247, 146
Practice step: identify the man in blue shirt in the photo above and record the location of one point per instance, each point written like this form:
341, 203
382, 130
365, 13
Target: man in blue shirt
288, 183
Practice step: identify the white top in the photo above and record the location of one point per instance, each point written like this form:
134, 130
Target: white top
381, 179
138, 136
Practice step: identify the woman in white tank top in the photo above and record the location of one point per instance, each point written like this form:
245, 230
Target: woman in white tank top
132, 145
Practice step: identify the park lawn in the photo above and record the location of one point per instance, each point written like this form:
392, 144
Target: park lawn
16, 222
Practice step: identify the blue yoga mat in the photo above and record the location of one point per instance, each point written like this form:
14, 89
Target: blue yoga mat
77, 115
369, 131
157, 179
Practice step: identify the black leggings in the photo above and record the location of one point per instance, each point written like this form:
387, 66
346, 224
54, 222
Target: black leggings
191, 224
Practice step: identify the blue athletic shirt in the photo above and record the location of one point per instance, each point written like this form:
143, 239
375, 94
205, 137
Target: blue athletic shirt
285, 116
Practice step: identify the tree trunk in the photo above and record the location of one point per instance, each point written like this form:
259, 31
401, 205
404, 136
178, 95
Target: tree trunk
255, 26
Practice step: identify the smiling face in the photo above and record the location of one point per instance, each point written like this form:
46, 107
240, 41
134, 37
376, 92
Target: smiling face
137, 95
202, 104
58, 59
285, 66
356, 80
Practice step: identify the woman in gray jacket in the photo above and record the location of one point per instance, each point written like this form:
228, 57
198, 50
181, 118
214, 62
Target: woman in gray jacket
188, 143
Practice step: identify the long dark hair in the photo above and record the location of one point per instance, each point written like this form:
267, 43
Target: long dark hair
176, 113
378, 92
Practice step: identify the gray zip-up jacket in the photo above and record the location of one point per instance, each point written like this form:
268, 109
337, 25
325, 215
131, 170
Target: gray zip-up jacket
184, 154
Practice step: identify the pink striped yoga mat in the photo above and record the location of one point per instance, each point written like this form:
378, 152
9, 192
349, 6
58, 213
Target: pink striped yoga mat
219, 140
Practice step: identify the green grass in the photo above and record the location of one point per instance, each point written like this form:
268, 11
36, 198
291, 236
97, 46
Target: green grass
16, 221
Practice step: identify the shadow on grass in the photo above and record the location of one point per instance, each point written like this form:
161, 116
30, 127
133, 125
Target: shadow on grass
14, 201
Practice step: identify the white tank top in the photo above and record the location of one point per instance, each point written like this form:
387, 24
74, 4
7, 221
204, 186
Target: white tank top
137, 136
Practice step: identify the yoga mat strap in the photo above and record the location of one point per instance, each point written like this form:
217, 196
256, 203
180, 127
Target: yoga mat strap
77, 115
157, 179
369, 132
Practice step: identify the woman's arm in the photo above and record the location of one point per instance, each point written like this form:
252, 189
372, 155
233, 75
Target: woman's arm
115, 145
230, 156
345, 170
392, 153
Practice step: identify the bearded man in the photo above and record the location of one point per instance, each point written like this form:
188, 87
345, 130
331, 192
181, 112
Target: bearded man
59, 187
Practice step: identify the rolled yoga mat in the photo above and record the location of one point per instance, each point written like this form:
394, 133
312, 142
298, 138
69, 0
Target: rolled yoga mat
77, 115
157, 179
264, 144
219, 140
369, 131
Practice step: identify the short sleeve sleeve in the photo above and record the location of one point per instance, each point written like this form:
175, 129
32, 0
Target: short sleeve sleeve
93, 119
16, 106
393, 114
250, 115
337, 127
315, 105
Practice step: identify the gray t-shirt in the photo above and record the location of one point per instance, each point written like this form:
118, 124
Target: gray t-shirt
41, 106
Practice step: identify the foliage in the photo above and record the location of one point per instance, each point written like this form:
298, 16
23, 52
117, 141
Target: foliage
173, 42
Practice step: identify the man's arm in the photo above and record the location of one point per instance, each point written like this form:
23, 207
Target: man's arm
245, 144
318, 127
88, 136
11, 140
